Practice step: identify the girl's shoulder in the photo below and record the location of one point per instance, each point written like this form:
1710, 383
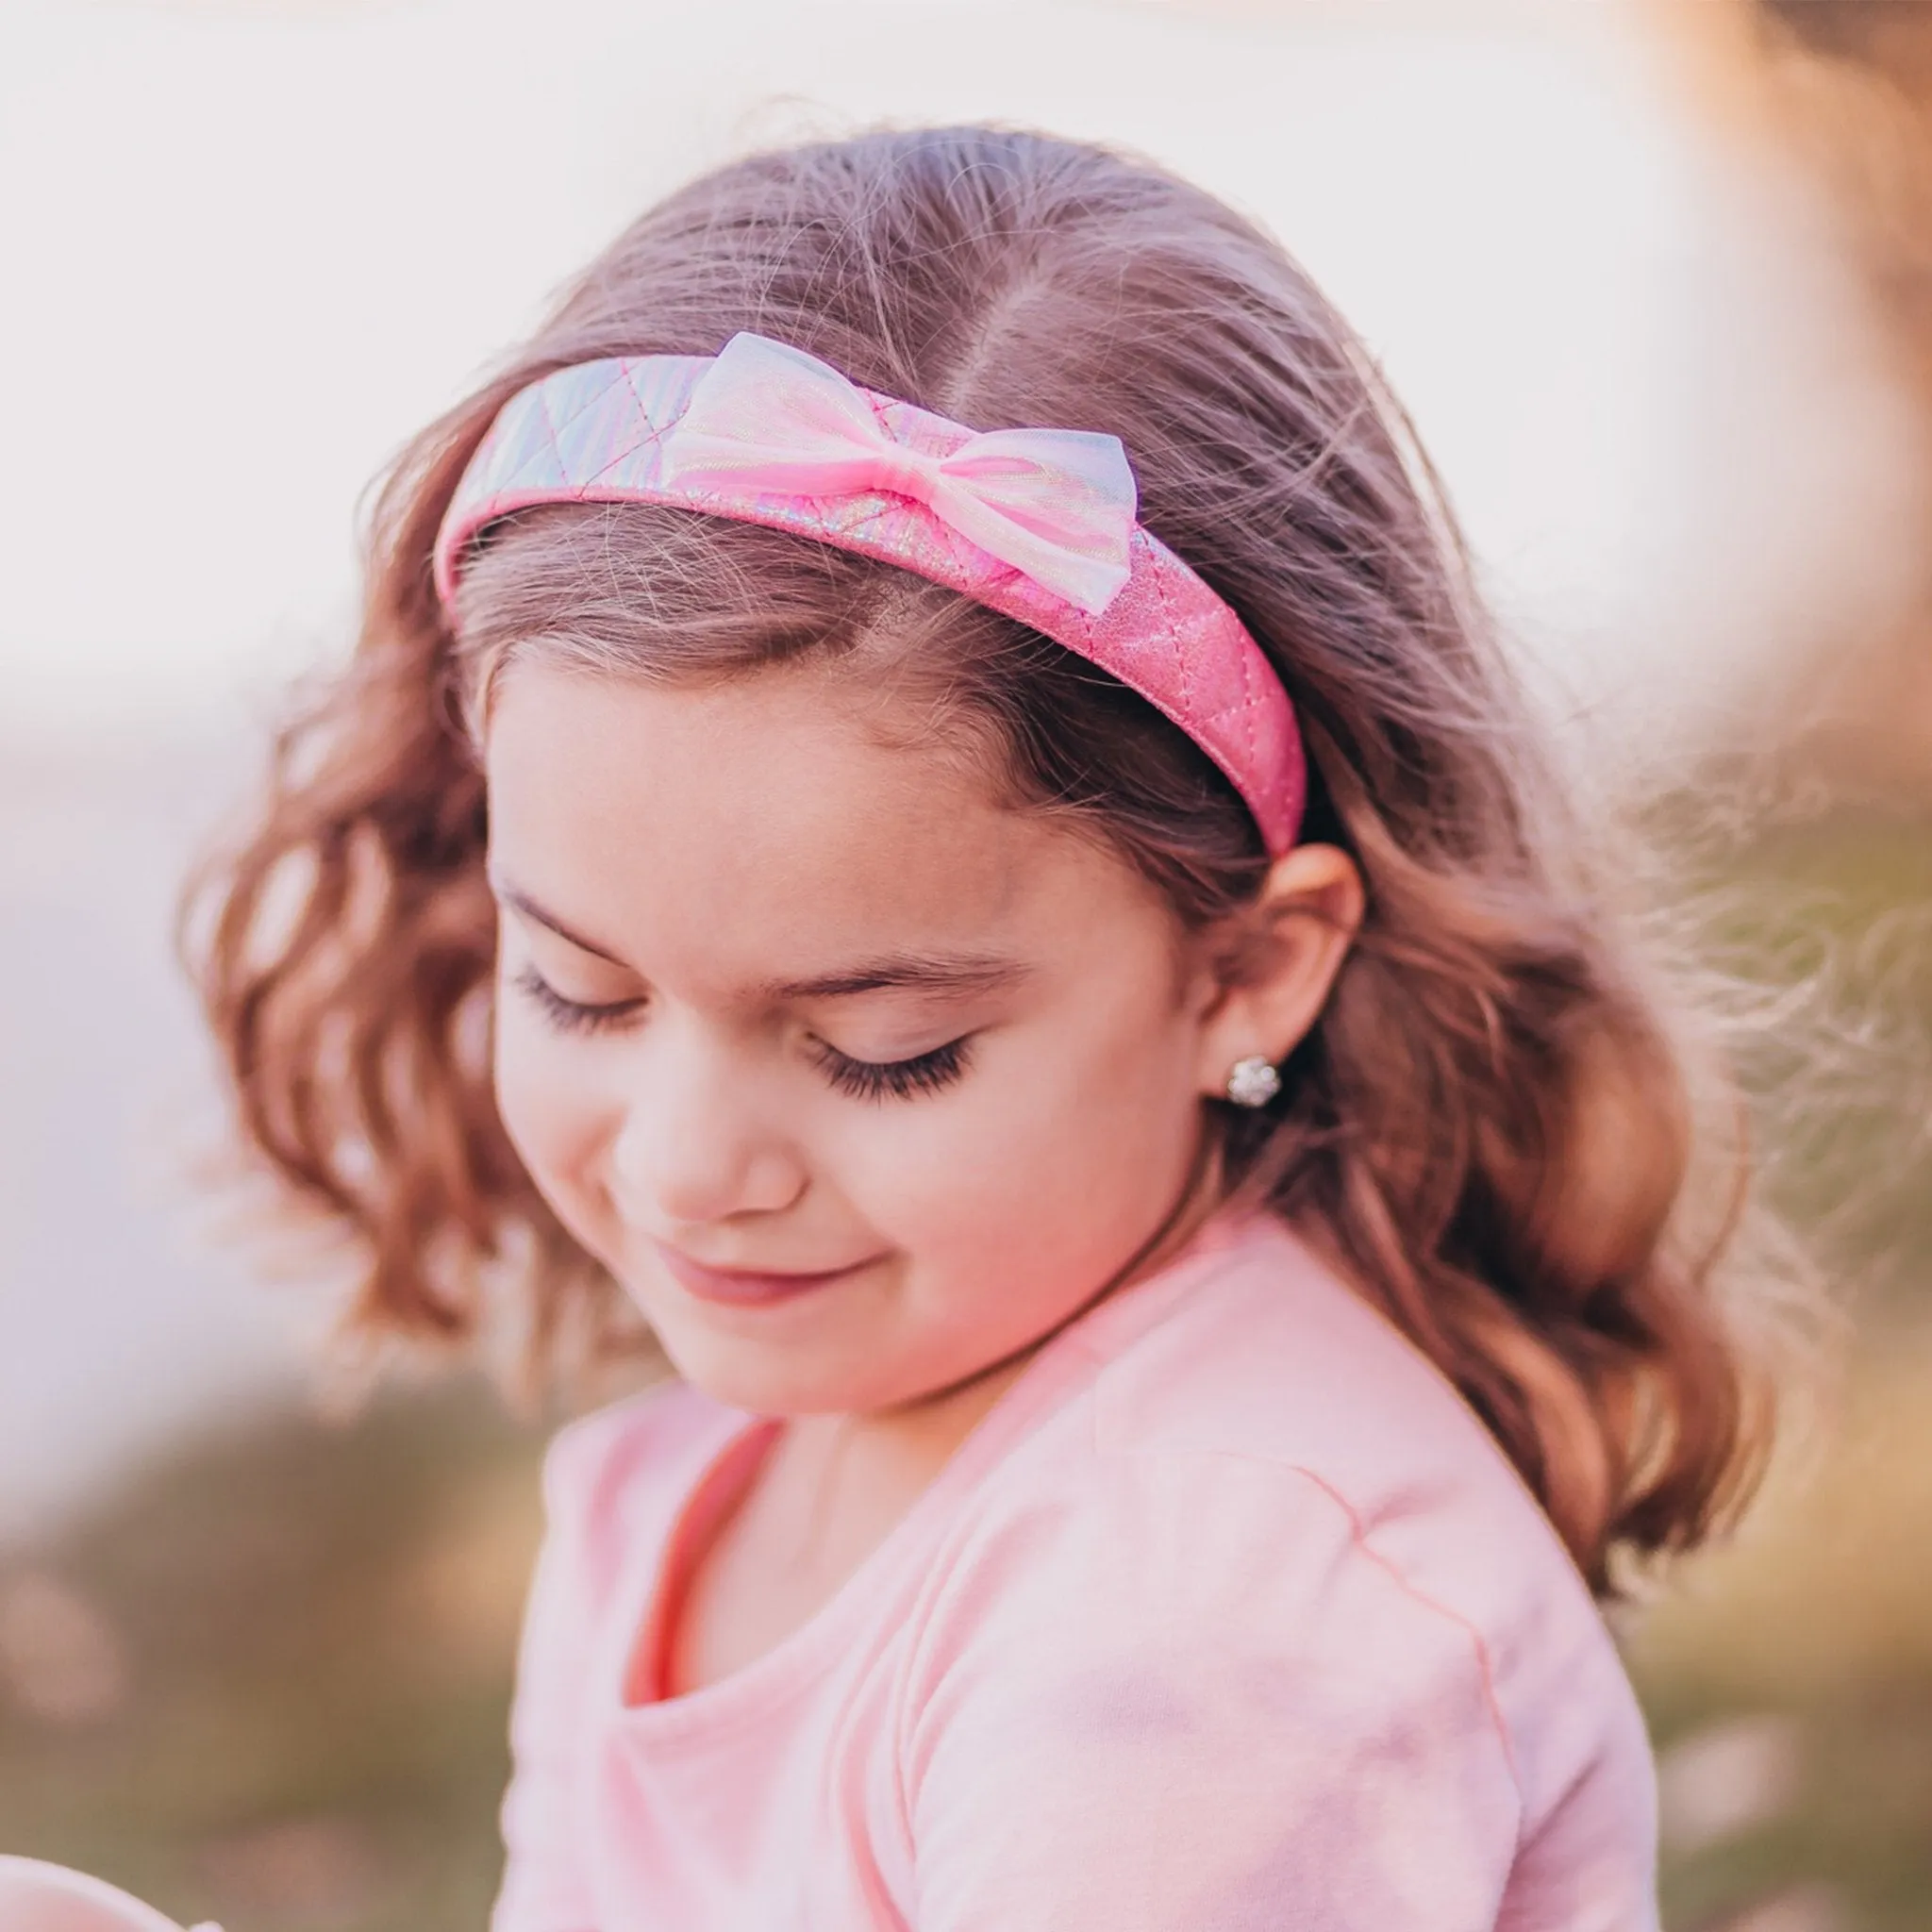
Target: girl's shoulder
1258, 1352
1259, 1458
1255, 1570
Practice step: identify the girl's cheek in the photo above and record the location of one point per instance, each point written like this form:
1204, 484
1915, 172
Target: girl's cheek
554, 1117
1042, 1135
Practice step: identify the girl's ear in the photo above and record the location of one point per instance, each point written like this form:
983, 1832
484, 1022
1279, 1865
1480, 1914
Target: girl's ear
1276, 962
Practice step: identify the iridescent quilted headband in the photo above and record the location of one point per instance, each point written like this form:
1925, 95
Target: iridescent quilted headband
1036, 523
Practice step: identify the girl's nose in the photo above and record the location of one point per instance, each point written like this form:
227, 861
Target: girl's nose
690, 1149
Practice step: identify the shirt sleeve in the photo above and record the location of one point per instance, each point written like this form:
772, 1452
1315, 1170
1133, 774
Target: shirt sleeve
1199, 1702
545, 1887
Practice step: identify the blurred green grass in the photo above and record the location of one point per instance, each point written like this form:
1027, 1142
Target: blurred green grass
268, 1682
286, 1704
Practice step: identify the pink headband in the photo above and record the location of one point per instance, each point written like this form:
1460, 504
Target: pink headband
1036, 523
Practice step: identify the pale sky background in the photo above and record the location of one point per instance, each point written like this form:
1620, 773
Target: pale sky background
248, 249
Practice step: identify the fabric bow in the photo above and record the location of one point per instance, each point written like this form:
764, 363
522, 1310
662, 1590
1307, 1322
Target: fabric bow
1056, 505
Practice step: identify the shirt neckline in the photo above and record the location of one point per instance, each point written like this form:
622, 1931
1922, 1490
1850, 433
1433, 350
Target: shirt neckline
1071, 1357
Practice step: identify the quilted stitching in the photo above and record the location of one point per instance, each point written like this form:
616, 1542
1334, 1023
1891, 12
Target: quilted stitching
593, 432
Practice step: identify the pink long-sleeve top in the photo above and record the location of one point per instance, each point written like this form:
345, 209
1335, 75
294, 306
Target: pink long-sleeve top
1229, 1615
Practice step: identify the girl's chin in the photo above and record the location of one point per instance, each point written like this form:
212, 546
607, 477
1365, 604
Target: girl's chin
768, 1362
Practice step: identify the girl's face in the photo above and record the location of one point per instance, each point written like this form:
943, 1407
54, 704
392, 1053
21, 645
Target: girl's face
857, 1080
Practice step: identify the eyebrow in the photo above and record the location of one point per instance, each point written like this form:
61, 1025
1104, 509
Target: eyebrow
941, 972
523, 903
921, 972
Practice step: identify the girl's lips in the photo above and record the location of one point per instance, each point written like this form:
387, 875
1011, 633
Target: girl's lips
741, 1286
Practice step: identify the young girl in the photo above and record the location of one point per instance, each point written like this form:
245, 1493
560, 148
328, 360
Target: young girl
924, 804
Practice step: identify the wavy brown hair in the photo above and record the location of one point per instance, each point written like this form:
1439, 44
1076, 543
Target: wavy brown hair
1494, 1129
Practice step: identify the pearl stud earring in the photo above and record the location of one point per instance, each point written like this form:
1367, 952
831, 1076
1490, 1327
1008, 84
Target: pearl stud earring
1253, 1082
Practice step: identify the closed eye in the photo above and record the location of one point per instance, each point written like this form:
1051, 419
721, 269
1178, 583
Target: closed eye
926, 1072
572, 1016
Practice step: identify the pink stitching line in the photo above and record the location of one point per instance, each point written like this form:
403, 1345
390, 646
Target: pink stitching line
551, 450
1109, 657
1175, 648
1259, 800
1291, 751
654, 432
866, 529
680, 405
1295, 759
553, 429
595, 417
1359, 1536
503, 500
1290, 761
1358, 1539
551, 447
598, 421
1248, 707
620, 373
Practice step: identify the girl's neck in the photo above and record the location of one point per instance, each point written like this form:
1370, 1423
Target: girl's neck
831, 1488
922, 1435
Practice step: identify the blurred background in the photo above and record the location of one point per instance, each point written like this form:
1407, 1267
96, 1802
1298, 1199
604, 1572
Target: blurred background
1654, 278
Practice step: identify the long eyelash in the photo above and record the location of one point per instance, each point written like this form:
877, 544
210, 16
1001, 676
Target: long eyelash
572, 1016
926, 1072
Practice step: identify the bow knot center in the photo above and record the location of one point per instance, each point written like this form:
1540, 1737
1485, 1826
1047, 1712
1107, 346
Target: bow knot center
904, 472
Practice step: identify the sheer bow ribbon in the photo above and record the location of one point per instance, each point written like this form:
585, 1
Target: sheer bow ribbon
1056, 505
